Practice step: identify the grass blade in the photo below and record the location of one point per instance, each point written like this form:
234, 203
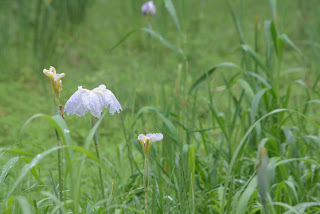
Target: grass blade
121, 40
254, 56
24, 205
245, 197
196, 84
255, 103
7, 168
170, 7
164, 41
286, 39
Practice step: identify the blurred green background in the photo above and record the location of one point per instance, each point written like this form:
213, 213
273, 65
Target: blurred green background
75, 37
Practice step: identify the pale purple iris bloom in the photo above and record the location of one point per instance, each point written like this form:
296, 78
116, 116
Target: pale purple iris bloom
148, 8
84, 100
150, 138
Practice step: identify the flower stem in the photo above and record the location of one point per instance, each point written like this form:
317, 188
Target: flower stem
60, 171
146, 184
95, 139
56, 112
149, 25
128, 145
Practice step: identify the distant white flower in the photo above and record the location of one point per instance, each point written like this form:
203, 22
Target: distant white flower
150, 138
148, 8
147, 140
55, 79
84, 100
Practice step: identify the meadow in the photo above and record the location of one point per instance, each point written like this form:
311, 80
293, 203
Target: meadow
233, 86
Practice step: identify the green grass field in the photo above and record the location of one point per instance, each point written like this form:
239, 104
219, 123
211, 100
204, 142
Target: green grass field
233, 86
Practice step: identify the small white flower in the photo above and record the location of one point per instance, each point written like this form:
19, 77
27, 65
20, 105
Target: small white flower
147, 140
84, 100
150, 137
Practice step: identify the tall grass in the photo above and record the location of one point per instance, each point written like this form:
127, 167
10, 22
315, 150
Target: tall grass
253, 149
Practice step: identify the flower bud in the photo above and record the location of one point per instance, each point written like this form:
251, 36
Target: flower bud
148, 8
55, 80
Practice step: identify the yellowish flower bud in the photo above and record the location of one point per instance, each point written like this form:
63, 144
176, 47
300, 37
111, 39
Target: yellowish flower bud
55, 80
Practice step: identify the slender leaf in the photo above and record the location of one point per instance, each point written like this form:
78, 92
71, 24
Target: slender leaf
254, 56
7, 167
24, 205
170, 7
164, 41
121, 40
196, 84
245, 197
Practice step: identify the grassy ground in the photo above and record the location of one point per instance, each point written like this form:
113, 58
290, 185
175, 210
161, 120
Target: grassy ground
215, 121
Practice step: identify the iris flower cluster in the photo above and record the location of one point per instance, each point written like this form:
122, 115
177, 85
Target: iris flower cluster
94, 101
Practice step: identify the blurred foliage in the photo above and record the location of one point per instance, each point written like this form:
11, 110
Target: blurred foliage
33, 31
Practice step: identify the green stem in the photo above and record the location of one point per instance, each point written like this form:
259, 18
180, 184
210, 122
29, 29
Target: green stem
128, 145
146, 183
60, 171
56, 112
95, 139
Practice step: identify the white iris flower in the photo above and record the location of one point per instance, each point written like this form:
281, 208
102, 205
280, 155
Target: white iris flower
84, 100
147, 140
